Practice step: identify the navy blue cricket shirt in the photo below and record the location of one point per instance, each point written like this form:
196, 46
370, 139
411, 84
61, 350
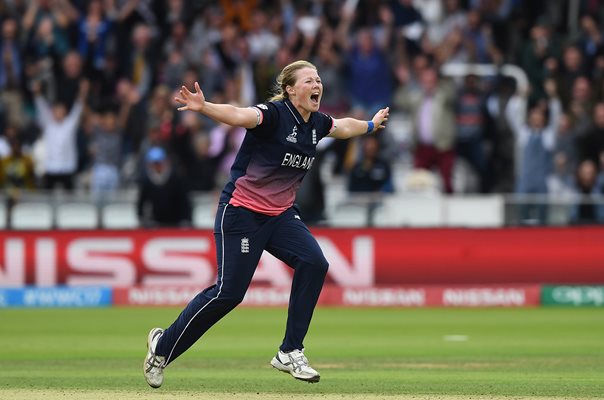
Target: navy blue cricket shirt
274, 157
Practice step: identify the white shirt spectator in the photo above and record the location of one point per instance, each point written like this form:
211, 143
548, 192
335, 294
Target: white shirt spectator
61, 153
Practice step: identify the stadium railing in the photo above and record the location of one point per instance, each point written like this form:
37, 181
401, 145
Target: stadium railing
62, 210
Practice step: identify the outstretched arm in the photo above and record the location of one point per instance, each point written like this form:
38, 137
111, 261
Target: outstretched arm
347, 128
245, 117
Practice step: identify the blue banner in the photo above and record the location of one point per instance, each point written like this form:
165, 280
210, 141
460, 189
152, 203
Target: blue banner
59, 296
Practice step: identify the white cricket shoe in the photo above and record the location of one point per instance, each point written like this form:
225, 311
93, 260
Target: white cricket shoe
153, 367
296, 364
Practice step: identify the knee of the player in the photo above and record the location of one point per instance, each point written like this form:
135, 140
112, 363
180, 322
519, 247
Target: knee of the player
321, 264
232, 298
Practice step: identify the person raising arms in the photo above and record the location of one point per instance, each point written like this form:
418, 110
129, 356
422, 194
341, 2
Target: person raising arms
256, 212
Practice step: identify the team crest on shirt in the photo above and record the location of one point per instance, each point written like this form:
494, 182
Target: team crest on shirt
293, 137
245, 245
314, 136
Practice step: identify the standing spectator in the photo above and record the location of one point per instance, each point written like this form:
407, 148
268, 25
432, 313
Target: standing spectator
163, 197
141, 62
67, 79
59, 130
94, 29
11, 73
199, 166
370, 73
106, 149
433, 116
50, 19
591, 40
501, 165
175, 51
542, 50
572, 69
329, 61
408, 21
536, 141
471, 107
44, 50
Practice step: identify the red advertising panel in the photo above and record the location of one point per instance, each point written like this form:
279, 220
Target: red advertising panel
393, 296
358, 257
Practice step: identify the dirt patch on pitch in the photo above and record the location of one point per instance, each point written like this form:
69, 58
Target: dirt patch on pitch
54, 394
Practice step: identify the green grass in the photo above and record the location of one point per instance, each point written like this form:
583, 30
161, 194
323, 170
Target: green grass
548, 352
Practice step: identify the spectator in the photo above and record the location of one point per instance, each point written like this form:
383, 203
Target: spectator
471, 108
68, 79
94, 32
371, 173
370, 79
591, 143
433, 116
11, 73
106, 150
16, 174
566, 139
141, 63
329, 61
408, 21
17, 170
163, 198
198, 166
59, 129
572, 70
542, 50
589, 185
536, 141
175, 52
591, 40
501, 165
581, 101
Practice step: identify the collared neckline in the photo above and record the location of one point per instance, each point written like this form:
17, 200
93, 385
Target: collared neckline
294, 111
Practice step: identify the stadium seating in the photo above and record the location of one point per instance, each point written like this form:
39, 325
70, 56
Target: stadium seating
410, 210
474, 211
204, 214
34, 215
77, 216
349, 215
119, 216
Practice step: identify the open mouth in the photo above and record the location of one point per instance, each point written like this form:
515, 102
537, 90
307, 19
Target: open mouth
314, 98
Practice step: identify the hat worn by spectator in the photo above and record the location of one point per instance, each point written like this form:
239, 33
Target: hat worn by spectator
156, 154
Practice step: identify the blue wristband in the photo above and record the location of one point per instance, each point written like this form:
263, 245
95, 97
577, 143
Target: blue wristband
370, 126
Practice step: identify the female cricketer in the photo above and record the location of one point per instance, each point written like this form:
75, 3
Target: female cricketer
256, 212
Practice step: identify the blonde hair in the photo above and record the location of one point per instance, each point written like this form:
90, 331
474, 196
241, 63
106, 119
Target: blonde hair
287, 77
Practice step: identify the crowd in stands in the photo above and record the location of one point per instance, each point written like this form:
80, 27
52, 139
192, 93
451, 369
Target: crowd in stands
87, 87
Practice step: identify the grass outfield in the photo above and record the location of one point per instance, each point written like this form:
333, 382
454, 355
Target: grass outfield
361, 354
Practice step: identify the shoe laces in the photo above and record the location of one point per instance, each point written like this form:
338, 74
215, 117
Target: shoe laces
154, 362
298, 359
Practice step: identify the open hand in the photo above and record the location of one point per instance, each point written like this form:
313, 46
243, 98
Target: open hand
381, 117
193, 101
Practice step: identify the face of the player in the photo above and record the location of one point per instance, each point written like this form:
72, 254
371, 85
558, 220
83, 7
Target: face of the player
306, 93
